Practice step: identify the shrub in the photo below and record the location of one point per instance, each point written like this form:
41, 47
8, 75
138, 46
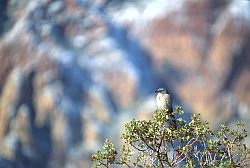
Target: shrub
167, 141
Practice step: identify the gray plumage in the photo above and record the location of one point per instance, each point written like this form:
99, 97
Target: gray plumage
164, 100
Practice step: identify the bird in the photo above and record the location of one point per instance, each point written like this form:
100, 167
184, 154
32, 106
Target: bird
163, 99
164, 102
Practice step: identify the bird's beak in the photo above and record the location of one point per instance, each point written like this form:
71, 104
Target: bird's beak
156, 91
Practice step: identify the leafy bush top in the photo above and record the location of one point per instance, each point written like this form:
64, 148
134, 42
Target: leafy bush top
167, 141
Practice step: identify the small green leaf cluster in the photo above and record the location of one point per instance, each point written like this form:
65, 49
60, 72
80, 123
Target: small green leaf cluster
169, 141
106, 157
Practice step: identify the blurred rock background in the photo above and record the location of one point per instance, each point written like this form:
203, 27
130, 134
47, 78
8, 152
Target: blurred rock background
72, 72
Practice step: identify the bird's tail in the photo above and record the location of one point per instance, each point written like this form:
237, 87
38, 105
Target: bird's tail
173, 119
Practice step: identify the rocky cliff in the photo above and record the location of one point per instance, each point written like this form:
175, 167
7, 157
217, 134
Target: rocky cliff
73, 71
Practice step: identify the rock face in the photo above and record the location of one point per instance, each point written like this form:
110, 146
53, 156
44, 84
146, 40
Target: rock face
214, 51
72, 71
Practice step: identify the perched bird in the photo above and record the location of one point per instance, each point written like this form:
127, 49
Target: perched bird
164, 101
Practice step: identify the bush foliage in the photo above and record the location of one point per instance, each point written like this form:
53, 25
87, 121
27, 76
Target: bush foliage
167, 141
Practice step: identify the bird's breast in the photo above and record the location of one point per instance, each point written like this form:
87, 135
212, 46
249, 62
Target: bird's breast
163, 101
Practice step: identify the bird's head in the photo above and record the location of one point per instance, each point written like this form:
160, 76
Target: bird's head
162, 90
